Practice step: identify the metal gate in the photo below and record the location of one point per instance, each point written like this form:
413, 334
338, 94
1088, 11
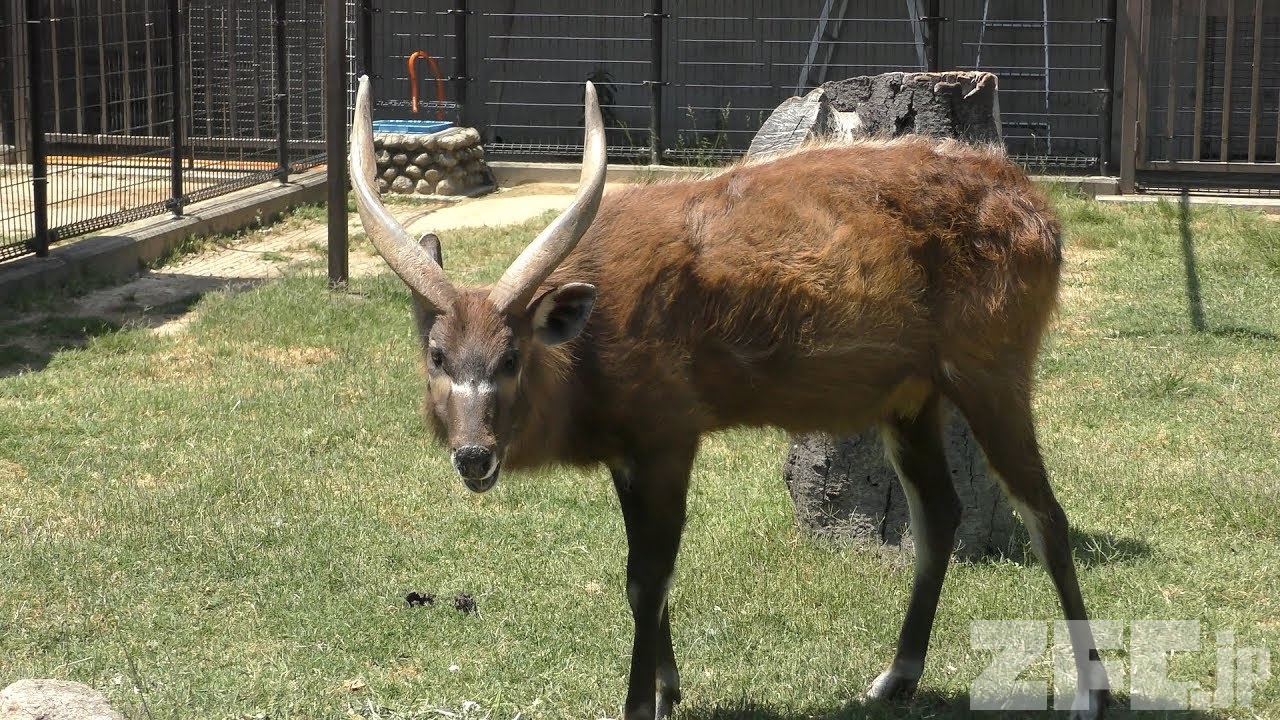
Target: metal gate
1205, 110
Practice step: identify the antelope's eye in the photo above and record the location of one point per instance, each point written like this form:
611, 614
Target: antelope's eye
510, 363
437, 357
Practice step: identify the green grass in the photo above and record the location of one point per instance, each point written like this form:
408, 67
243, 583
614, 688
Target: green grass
224, 523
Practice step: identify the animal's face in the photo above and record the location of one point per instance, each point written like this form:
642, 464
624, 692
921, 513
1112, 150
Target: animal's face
480, 362
483, 347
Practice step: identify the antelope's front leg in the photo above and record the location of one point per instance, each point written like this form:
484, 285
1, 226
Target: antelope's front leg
652, 495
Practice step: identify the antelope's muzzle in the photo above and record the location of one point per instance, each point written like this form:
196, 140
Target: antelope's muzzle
478, 466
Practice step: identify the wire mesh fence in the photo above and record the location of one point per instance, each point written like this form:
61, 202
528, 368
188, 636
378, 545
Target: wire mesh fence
112, 112
692, 81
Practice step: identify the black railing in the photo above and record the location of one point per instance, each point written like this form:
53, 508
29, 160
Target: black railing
111, 113
691, 82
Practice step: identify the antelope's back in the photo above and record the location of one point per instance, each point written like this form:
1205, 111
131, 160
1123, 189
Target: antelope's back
782, 276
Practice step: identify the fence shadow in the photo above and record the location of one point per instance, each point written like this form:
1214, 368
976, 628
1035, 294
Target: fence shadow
1195, 302
153, 301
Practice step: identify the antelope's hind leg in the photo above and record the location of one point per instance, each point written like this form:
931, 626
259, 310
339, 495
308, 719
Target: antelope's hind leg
1003, 424
914, 447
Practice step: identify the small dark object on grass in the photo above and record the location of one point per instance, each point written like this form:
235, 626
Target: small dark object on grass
415, 599
464, 603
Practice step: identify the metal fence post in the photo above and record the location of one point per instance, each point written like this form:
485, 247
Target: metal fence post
460, 78
932, 40
282, 95
36, 16
364, 37
335, 134
655, 83
177, 134
1105, 120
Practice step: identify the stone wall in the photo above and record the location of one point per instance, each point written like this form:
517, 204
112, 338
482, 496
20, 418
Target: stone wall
449, 162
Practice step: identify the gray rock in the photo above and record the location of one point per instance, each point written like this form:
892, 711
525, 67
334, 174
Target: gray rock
424, 187
448, 186
448, 143
477, 152
402, 185
383, 158
399, 159
412, 143
377, 142
423, 160
469, 137
961, 105
54, 700
431, 175
446, 160
432, 142
383, 186
795, 121
413, 172
390, 174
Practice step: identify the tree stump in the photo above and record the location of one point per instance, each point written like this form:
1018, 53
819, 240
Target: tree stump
844, 488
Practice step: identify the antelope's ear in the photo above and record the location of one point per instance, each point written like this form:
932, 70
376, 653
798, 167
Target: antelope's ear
424, 319
560, 314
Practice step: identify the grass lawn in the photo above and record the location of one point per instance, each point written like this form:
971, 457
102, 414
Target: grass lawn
225, 522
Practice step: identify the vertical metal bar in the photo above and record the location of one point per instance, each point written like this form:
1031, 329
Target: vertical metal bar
207, 42
282, 95
152, 70
1202, 48
364, 37
1106, 120
1129, 30
39, 243
933, 43
1224, 150
75, 34
104, 114
304, 73
126, 66
177, 136
1254, 108
1144, 78
335, 83
230, 31
256, 40
55, 73
1171, 101
656, 17
461, 78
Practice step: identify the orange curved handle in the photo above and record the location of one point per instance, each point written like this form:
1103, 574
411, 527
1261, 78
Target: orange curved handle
413, 82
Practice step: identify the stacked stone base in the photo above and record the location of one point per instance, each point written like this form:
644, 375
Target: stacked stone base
449, 162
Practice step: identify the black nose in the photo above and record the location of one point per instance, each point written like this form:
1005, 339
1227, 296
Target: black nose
473, 461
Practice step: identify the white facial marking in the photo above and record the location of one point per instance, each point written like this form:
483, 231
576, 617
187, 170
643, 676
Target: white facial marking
472, 388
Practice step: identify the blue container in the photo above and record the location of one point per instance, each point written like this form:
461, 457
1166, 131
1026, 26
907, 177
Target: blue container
416, 127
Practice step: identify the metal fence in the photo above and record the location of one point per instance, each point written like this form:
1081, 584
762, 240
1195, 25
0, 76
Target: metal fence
112, 112
691, 81
1208, 96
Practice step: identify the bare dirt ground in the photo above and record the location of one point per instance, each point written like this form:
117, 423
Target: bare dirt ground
161, 299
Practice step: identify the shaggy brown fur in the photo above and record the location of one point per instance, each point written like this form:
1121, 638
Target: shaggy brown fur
820, 291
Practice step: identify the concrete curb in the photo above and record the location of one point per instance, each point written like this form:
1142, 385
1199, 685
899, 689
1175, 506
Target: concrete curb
110, 257
1270, 206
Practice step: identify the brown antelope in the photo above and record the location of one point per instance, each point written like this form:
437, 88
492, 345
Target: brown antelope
900, 273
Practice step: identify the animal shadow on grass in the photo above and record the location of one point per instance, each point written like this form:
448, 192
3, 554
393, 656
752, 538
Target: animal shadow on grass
1089, 548
925, 704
